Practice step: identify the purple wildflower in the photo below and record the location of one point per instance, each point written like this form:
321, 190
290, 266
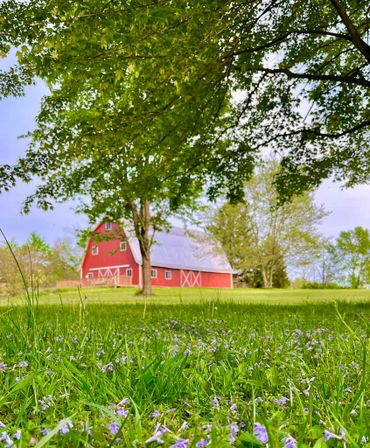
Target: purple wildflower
17, 435
306, 392
289, 442
156, 414
282, 401
121, 412
3, 436
66, 427
155, 438
234, 428
233, 408
113, 427
158, 432
108, 367
364, 439
181, 443
23, 364
329, 435
202, 443
45, 432
2, 424
3, 366
216, 401
261, 433
234, 431
184, 426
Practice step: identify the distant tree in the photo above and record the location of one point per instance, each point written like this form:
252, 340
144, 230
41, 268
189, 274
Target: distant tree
63, 261
259, 236
41, 264
325, 265
352, 253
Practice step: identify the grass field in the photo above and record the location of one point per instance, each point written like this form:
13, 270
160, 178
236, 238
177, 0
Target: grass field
200, 368
171, 296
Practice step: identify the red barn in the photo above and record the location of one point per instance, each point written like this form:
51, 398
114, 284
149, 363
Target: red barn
176, 259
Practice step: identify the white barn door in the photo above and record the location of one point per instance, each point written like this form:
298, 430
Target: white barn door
190, 279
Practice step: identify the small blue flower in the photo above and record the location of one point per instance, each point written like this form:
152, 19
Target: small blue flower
181, 443
66, 427
202, 443
17, 435
289, 442
113, 427
329, 435
261, 433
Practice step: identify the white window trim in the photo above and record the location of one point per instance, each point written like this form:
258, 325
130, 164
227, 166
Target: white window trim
108, 226
95, 250
168, 275
153, 271
129, 270
120, 246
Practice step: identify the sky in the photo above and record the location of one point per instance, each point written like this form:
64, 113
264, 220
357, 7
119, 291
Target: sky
349, 208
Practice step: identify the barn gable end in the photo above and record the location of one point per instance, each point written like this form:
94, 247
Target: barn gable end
106, 257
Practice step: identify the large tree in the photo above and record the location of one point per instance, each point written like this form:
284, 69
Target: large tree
259, 236
302, 70
117, 129
352, 255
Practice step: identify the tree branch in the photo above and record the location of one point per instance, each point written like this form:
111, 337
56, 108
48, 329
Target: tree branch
281, 38
316, 133
360, 44
316, 77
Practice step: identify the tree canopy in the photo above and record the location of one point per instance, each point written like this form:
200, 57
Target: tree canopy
301, 70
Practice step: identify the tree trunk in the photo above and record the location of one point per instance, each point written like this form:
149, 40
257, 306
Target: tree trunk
147, 281
144, 242
141, 220
267, 277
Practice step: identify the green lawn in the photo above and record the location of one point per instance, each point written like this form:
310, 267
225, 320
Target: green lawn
190, 375
167, 296
190, 368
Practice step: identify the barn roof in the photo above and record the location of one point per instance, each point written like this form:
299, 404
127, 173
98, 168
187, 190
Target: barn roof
180, 249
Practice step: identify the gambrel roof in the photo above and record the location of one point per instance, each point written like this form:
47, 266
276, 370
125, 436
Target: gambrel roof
181, 249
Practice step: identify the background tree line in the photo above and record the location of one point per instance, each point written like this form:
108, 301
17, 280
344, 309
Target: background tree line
42, 264
267, 242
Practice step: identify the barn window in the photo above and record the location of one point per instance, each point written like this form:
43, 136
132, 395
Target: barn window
153, 273
108, 226
90, 275
168, 275
128, 272
122, 246
95, 250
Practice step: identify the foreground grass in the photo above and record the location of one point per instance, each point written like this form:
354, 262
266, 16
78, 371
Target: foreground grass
185, 376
